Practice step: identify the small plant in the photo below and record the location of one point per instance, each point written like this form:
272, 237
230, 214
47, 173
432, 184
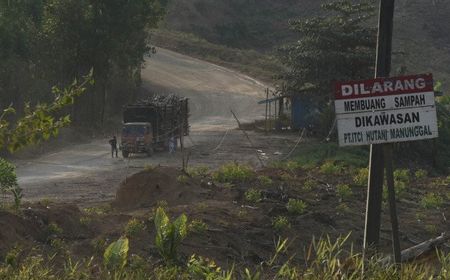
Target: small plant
169, 235
46, 202
149, 167
330, 168
183, 179
432, 201
343, 208
8, 182
12, 257
115, 256
98, 211
198, 171
233, 172
343, 191
280, 223
85, 221
133, 227
54, 229
309, 185
99, 245
296, 206
198, 226
361, 177
265, 181
161, 204
253, 195
431, 229
402, 175
421, 174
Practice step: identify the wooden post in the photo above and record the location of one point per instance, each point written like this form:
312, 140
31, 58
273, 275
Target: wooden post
376, 168
267, 104
392, 206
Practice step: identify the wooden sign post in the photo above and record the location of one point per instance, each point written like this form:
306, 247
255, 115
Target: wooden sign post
381, 111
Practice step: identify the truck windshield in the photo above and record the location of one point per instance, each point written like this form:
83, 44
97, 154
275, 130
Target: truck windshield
135, 130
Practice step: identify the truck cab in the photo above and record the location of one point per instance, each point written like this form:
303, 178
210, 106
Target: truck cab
137, 137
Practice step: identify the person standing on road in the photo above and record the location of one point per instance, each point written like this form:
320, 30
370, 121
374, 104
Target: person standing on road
172, 144
113, 143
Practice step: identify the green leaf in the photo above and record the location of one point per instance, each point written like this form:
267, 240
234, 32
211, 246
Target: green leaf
115, 256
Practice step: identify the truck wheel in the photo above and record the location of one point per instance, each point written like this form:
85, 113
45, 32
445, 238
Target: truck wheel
125, 154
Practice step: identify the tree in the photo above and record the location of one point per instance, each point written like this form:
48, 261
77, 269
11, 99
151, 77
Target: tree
338, 46
38, 123
109, 36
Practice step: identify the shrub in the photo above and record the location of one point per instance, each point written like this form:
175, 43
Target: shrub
233, 172
280, 223
182, 179
343, 191
133, 227
402, 175
361, 177
432, 201
296, 206
420, 174
115, 256
309, 185
8, 182
198, 226
265, 181
169, 235
330, 168
253, 195
198, 171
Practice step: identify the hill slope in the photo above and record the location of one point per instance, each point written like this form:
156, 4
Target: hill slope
421, 43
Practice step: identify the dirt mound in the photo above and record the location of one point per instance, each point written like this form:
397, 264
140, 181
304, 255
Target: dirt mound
146, 188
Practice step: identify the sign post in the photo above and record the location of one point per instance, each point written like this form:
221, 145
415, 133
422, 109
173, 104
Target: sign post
382, 111
376, 168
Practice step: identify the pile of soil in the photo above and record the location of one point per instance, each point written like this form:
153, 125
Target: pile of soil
168, 184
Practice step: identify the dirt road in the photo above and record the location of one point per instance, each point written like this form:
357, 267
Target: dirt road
87, 174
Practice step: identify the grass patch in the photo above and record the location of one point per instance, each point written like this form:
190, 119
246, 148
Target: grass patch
313, 154
253, 195
280, 223
233, 172
134, 227
296, 206
432, 201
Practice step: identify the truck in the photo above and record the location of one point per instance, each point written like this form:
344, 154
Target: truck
150, 125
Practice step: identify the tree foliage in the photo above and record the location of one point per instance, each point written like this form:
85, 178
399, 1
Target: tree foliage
51, 42
338, 46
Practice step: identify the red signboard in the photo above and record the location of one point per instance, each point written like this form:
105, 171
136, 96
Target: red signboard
384, 87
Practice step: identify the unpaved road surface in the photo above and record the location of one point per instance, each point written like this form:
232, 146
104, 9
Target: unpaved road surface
87, 174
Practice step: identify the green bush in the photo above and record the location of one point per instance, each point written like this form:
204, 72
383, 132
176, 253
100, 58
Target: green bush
296, 206
361, 177
133, 227
198, 226
169, 235
402, 175
198, 171
8, 181
421, 174
265, 181
432, 201
280, 223
344, 191
253, 195
182, 179
330, 168
309, 184
233, 172
115, 256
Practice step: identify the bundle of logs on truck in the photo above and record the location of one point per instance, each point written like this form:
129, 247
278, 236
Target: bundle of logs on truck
154, 124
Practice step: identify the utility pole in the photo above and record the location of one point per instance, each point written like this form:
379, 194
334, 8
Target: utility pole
376, 167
